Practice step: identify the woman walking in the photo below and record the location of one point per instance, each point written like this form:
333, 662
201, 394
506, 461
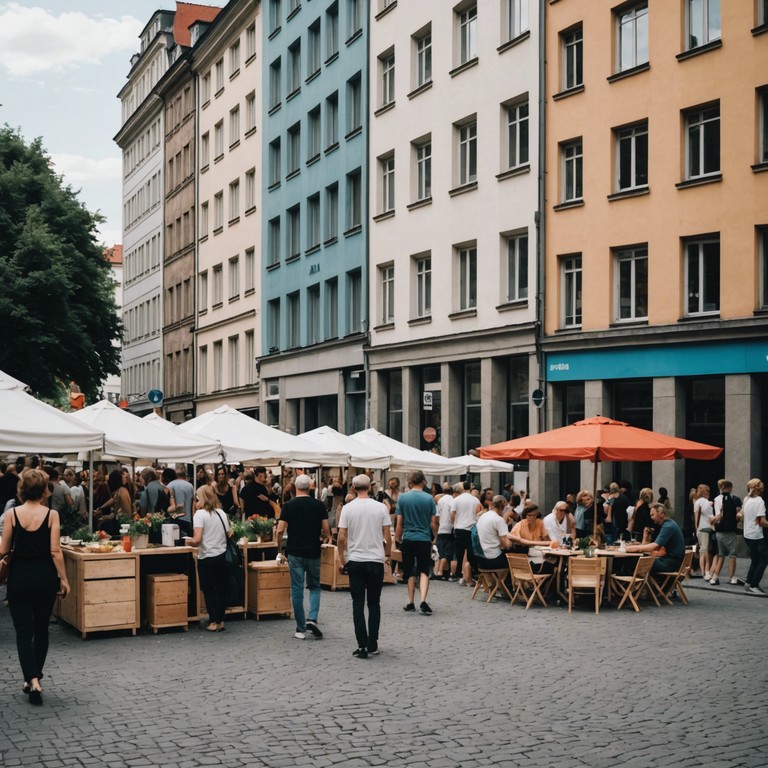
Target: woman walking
37, 569
755, 524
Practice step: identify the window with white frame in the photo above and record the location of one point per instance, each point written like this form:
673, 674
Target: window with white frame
313, 49
354, 103
632, 157
250, 190
202, 370
273, 325
250, 269
387, 171
631, 278
517, 134
762, 117
293, 5
467, 282
423, 266
702, 276
273, 242
424, 170
332, 308
202, 291
354, 301
205, 150
762, 246
517, 18
234, 201
294, 67
387, 70
354, 200
234, 59
218, 140
517, 267
217, 287
250, 357
424, 58
387, 280
314, 137
313, 221
355, 16
702, 19
294, 232
274, 162
218, 211
219, 72
467, 135
570, 267
233, 278
275, 83
293, 318
294, 148
573, 58
250, 112
314, 326
631, 36
702, 133
234, 126
250, 42
204, 219
233, 344
205, 88
332, 212
572, 170
332, 30
332, 120
467, 20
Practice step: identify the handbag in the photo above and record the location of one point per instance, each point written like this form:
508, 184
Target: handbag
231, 553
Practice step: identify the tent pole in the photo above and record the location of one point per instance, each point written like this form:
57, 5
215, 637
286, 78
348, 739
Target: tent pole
594, 496
90, 490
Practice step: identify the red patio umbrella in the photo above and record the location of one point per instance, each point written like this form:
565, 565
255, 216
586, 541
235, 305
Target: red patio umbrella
599, 439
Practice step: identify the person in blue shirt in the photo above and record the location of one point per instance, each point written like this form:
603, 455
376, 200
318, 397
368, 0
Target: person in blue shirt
669, 545
415, 527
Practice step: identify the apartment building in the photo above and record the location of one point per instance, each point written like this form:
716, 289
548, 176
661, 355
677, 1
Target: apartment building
315, 232
453, 193
110, 387
657, 229
226, 64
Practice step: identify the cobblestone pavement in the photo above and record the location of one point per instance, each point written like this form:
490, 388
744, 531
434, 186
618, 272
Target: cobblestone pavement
472, 685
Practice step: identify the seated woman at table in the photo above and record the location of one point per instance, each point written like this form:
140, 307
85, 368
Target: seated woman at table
530, 532
494, 536
641, 517
585, 513
669, 546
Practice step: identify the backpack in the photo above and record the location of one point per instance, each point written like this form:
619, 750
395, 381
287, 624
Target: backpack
728, 511
477, 548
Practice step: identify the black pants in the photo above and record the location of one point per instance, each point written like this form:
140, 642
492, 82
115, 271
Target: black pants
758, 554
32, 590
462, 543
365, 583
213, 581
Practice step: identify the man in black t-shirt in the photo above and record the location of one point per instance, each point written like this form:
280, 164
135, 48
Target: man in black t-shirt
619, 510
725, 521
254, 494
306, 520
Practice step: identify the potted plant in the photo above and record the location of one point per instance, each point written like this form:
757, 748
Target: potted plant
139, 532
261, 527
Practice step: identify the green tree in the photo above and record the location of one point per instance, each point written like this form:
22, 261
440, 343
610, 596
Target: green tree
57, 308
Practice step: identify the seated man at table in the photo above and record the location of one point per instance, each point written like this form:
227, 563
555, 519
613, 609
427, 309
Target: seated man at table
494, 536
669, 546
530, 532
559, 523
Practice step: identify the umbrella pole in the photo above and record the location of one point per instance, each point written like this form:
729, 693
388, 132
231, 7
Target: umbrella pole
594, 497
90, 490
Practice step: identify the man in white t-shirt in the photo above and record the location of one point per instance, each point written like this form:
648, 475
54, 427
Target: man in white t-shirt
464, 511
364, 544
557, 523
494, 536
445, 549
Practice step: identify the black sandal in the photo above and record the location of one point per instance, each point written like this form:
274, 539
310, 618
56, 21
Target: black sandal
36, 697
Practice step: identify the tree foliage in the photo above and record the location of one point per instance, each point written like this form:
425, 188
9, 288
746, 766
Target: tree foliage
57, 307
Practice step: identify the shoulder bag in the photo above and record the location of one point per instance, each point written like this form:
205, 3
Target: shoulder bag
231, 553
5, 561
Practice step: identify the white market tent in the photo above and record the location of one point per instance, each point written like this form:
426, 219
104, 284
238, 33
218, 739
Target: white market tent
476, 464
129, 437
213, 457
405, 458
28, 425
360, 455
9, 382
245, 439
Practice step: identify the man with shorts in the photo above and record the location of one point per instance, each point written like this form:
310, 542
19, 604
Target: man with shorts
464, 511
415, 524
725, 521
447, 562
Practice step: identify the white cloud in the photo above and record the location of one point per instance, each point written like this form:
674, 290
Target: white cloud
35, 40
77, 169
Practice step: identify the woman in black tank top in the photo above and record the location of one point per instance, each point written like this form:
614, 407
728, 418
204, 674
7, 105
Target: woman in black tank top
37, 567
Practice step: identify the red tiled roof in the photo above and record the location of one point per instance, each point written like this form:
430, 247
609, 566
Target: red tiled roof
114, 255
186, 15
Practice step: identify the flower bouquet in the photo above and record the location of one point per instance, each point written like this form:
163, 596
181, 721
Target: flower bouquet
259, 527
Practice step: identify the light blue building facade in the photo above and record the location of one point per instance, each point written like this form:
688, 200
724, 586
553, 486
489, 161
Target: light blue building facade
315, 232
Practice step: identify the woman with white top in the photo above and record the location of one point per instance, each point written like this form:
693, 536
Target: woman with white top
702, 520
753, 511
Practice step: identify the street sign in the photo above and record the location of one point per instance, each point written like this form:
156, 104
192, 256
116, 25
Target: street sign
426, 401
155, 396
537, 397
429, 435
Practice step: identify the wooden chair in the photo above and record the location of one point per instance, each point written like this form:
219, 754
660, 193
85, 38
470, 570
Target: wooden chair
631, 586
586, 574
665, 582
523, 578
492, 580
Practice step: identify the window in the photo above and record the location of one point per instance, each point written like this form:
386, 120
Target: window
571, 290
250, 42
631, 283
313, 49
387, 69
424, 171
234, 59
234, 361
468, 153
517, 267
250, 190
234, 126
517, 134
632, 37
275, 15
517, 18
762, 244
294, 67
632, 157
354, 200
354, 104
471, 401
234, 201
332, 31
314, 328
234, 278
762, 13
424, 287
294, 148
703, 137
467, 278
218, 285
274, 162
424, 59
387, 169
332, 212
273, 242
355, 301
205, 150
202, 291
294, 319
294, 232
275, 93
250, 270
572, 171
331, 308
250, 112
205, 88
293, 5
332, 120
273, 325
219, 70
703, 22
762, 112
218, 211
355, 17
218, 140
204, 219
387, 278
313, 221
313, 134
467, 34
702, 276
250, 358
202, 370
573, 59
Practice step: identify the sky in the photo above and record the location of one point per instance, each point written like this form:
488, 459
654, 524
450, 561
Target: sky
62, 63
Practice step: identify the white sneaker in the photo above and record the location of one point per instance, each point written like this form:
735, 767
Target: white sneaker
734, 580
707, 575
461, 581
299, 635
756, 591
714, 581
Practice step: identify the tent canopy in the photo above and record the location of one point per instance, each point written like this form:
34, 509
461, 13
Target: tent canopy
360, 455
476, 464
28, 425
405, 458
213, 446
9, 382
130, 437
246, 439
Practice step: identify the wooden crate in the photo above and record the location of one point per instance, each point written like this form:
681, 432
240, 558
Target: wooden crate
269, 589
166, 600
329, 569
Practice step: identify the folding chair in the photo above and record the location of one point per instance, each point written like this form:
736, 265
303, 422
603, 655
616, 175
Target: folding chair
665, 582
586, 574
632, 586
492, 580
523, 578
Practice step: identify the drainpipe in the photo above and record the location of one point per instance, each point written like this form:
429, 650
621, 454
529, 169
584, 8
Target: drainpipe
195, 286
541, 215
367, 254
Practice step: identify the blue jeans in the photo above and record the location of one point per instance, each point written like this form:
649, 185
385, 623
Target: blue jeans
299, 566
365, 583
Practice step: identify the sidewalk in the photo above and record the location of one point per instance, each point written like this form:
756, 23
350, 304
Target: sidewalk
742, 568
